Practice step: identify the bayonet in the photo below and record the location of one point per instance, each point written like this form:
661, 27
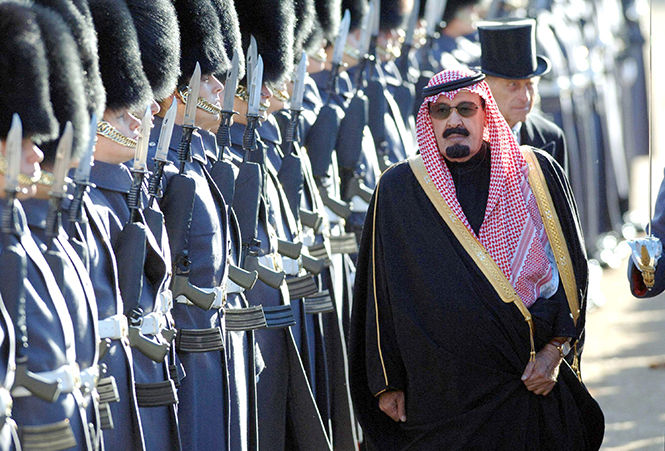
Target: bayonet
13, 156
408, 39
162, 151
139, 167
62, 158
254, 90
252, 57
188, 123
230, 87
296, 101
82, 173
338, 52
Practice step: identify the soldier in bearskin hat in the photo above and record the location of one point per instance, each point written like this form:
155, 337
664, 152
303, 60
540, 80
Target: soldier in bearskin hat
45, 391
68, 100
142, 275
199, 246
287, 412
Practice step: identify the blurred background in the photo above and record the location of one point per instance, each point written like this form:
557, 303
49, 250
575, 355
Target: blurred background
624, 358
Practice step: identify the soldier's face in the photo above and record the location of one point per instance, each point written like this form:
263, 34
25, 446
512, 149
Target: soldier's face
31, 156
459, 136
211, 90
515, 98
110, 151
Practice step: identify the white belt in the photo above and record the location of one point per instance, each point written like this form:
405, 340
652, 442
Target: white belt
233, 288
67, 376
217, 303
272, 261
113, 327
89, 377
358, 205
165, 299
308, 237
332, 217
291, 266
6, 402
153, 323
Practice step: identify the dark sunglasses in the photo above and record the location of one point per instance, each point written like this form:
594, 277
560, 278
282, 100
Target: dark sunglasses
442, 111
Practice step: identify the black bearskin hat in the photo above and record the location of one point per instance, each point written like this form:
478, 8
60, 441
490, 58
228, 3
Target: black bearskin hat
24, 74
305, 19
358, 9
156, 25
66, 81
394, 14
452, 6
200, 39
78, 19
228, 19
272, 24
328, 16
119, 56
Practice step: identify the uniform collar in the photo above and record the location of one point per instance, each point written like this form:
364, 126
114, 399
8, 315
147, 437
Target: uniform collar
111, 177
36, 211
269, 131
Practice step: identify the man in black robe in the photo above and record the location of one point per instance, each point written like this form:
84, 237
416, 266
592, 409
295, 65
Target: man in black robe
461, 316
508, 58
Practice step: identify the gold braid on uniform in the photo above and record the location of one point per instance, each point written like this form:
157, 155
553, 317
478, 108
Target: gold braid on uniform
282, 95
108, 131
242, 93
201, 103
321, 56
24, 179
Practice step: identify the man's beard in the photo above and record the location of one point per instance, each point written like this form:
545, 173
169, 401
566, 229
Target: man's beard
458, 151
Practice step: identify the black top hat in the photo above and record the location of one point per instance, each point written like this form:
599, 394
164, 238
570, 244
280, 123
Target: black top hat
24, 74
508, 49
158, 33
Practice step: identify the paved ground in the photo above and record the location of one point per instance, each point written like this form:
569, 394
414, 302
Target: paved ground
625, 339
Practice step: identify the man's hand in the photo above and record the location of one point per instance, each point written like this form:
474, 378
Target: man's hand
540, 375
392, 404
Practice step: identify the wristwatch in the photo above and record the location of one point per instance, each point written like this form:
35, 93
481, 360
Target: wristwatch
563, 347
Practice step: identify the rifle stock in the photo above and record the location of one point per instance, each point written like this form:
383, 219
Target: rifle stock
266, 275
289, 249
39, 387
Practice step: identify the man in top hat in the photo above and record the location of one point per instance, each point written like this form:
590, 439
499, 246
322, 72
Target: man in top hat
461, 317
509, 60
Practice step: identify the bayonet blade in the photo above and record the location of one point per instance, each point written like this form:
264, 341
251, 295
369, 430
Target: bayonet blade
13, 154
376, 18
192, 97
82, 173
252, 56
62, 157
365, 31
299, 84
342, 35
255, 90
231, 83
411, 25
141, 154
165, 133
432, 17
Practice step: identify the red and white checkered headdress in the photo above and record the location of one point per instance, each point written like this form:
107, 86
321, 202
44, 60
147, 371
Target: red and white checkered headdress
512, 230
